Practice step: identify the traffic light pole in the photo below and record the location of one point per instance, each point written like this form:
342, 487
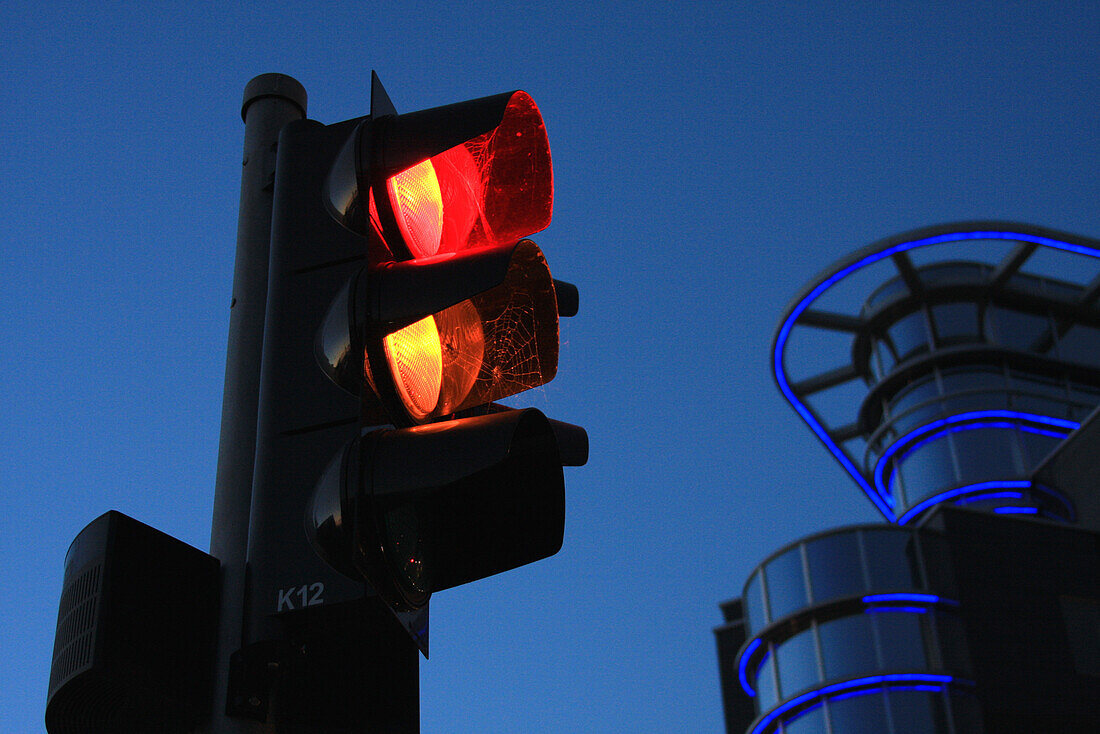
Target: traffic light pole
270, 102
364, 462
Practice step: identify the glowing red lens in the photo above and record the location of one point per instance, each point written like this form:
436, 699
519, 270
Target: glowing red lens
498, 187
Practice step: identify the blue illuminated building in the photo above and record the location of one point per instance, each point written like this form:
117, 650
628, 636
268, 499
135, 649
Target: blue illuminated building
953, 373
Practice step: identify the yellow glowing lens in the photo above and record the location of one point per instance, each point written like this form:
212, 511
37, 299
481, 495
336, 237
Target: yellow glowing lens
418, 207
415, 357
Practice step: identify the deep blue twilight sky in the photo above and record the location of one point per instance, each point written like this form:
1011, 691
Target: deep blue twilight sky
710, 159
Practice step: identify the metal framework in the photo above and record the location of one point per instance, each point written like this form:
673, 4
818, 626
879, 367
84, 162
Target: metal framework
961, 356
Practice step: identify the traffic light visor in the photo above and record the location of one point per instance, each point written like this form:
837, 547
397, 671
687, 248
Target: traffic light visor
446, 179
432, 337
422, 509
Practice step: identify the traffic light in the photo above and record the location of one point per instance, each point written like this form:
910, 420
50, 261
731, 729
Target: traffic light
403, 303
452, 312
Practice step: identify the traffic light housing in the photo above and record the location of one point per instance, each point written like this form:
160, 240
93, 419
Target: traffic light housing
403, 303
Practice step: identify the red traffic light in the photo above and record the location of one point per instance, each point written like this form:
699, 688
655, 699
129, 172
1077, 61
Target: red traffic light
462, 176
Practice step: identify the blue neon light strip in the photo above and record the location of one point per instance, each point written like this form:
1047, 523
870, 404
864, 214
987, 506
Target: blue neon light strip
743, 664
989, 496
892, 482
903, 596
894, 602
859, 692
1016, 510
880, 465
958, 492
892, 681
973, 418
801, 306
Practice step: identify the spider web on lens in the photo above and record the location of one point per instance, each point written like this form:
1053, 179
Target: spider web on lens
512, 360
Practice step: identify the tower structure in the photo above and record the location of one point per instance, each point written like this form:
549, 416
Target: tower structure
948, 371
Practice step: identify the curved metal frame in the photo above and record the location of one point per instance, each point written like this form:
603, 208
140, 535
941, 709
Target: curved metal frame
1029, 240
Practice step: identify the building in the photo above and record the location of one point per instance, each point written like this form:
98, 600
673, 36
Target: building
954, 374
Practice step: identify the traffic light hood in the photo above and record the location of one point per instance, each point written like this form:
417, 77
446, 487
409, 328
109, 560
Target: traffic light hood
434, 336
422, 509
466, 175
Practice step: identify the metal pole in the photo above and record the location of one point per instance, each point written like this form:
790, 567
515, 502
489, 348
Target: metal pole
270, 102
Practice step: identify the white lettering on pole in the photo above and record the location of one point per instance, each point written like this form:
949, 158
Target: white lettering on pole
308, 595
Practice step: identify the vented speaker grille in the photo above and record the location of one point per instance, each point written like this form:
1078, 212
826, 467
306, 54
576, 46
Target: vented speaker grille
76, 626
136, 627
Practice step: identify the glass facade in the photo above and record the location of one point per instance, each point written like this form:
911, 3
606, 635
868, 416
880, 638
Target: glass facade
846, 563
947, 419
992, 420
920, 709
836, 613
958, 379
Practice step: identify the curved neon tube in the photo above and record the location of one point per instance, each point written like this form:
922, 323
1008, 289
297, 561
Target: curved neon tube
903, 596
969, 499
894, 600
902, 679
971, 418
801, 306
743, 664
958, 491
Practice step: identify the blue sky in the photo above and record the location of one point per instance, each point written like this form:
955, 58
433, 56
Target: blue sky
710, 159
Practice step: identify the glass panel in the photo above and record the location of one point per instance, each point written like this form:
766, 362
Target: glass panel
755, 619
914, 394
972, 378
848, 646
956, 322
810, 721
835, 568
1014, 328
985, 454
1080, 344
928, 469
903, 640
1065, 292
766, 691
985, 400
1084, 394
1040, 395
910, 334
1036, 447
797, 663
786, 584
860, 713
916, 712
1037, 384
891, 560
917, 417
